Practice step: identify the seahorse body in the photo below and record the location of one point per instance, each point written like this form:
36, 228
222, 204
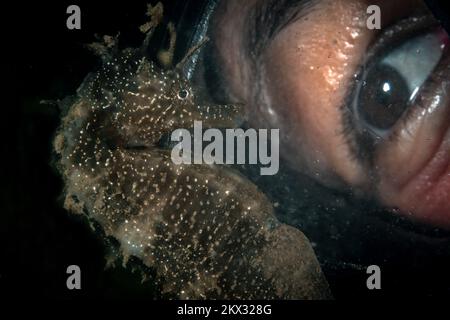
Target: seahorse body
206, 230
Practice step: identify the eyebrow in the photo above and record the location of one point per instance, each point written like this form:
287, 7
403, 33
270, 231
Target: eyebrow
267, 19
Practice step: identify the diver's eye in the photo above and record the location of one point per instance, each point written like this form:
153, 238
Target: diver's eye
183, 94
390, 83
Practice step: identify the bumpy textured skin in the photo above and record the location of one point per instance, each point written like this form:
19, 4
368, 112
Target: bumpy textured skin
206, 230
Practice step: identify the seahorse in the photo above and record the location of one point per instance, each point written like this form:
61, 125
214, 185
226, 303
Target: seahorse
206, 230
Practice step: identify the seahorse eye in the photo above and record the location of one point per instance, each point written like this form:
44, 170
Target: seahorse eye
183, 94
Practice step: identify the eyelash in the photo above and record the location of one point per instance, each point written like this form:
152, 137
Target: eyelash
267, 19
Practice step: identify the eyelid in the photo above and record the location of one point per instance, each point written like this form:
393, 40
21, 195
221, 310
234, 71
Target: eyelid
431, 88
394, 35
362, 143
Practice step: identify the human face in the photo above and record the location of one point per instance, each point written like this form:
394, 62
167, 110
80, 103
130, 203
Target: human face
357, 108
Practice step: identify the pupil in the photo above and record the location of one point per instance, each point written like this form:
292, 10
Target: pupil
183, 94
383, 98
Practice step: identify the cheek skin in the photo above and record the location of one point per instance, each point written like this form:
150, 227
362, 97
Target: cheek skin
311, 63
